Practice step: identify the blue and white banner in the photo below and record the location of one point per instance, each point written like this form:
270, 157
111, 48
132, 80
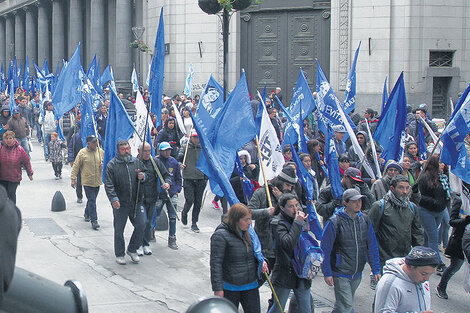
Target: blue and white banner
349, 101
135, 81
188, 85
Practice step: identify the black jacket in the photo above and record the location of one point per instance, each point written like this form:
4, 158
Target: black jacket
286, 238
121, 181
432, 199
231, 260
454, 247
466, 242
151, 185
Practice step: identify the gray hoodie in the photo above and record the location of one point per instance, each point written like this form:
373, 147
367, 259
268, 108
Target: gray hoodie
396, 292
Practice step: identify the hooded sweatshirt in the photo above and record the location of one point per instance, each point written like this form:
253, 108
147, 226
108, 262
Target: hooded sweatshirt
396, 292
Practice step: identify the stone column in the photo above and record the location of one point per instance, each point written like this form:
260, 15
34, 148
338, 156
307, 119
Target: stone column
95, 28
3, 51
122, 52
19, 38
10, 38
75, 27
43, 34
58, 33
31, 37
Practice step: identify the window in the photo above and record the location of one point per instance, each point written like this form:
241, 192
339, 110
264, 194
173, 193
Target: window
441, 58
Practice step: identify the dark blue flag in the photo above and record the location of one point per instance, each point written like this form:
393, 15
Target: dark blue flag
422, 142
157, 72
384, 95
118, 126
26, 76
392, 122
67, 93
331, 160
233, 128
247, 185
454, 152
349, 101
210, 105
2, 78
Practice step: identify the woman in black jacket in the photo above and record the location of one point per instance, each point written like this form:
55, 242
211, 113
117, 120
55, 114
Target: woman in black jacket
454, 246
236, 260
170, 134
435, 197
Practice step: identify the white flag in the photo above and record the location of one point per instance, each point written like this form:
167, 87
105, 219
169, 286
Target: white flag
271, 152
141, 115
135, 81
147, 81
179, 119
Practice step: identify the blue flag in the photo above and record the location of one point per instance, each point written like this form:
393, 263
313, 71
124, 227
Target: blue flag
11, 101
87, 125
134, 81
305, 179
247, 185
211, 103
453, 151
2, 78
67, 93
216, 172
107, 76
91, 68
392, 122
118, 126
188, 86
26, 75
15, 75
422, 142
233, 128
301, 106
349, 101
45, 68
59, 132
328, 105
384, 95
331, 160
156, 72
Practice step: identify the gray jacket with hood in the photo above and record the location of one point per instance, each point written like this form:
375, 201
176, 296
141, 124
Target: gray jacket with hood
396, 292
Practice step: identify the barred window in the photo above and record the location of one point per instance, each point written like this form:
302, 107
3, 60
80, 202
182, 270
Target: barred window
441, 58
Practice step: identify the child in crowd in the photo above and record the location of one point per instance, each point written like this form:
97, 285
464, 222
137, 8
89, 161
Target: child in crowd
55, 154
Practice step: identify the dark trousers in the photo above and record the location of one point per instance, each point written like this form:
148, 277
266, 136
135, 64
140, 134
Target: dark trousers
78, 187
455, 265
149, 213
90, 209
11, 189
137, 218
249, 299
57, 166
193, 192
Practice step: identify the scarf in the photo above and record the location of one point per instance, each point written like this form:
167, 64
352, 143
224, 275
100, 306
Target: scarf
395, 201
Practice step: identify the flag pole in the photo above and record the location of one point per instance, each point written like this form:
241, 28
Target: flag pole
268, 196
274, 292
187, 145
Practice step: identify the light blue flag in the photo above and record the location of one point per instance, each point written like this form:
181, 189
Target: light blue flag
59, 132
107, 76
45, 68
211, 103
67, 93
26, 75
423, 154
328, 105
11, 101
87, 125
188, 85
302, 101
233, 128
454, 152
91, 68
135, 81
349, 101
331, 160
214, 166
156, 73
392, 123
118, 126
384, 95
2, 78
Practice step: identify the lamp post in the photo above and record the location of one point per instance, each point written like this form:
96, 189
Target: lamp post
213, 7
138, 31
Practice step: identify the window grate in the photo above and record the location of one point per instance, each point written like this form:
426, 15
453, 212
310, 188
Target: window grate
441, 58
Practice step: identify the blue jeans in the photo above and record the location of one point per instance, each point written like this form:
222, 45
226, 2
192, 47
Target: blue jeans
171, 212
90, 209
24, 143
444, 229
345, 289
301, 293
430, 222
47, 139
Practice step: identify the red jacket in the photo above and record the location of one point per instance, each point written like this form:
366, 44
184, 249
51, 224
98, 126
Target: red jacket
11, 159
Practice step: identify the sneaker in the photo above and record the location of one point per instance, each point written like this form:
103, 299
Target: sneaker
87, 218
441, 293
216, 205
440, 269
120, 260
172, 243
95, 225
140, 251
79, 200
373, 283
194, 228
57, 178
134, 257
147, 250
184, 218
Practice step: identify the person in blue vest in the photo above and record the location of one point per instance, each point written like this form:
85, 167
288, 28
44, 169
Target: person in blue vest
348, 243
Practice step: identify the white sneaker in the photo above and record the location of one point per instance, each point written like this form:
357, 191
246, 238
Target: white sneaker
147, 250
140, 251
134, 256
120, 260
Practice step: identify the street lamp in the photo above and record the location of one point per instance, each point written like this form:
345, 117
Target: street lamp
213, 7
138, 31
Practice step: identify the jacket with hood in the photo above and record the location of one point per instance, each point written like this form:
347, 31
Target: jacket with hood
172, 136
355, 160
11, 160
4, 119
396, 292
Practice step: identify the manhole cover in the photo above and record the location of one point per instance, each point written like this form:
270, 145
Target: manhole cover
44, 227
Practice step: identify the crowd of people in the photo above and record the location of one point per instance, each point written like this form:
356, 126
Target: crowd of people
398, 224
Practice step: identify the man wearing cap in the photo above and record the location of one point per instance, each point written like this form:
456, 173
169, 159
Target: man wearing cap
348, 243
194, 183
19, 125
404, 286
339, 135
381, 186
396, 222
327, 203
89, 165
369, 117
121, 184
